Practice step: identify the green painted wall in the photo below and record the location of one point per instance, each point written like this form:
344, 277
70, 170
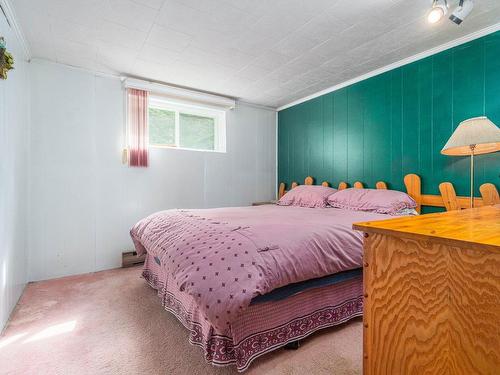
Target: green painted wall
396, 123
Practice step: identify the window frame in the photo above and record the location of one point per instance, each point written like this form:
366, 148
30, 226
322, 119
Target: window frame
218, 115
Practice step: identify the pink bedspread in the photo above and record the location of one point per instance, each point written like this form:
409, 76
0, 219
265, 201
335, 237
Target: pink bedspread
226, 256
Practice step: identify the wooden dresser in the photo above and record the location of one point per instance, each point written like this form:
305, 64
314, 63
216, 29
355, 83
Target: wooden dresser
432, 293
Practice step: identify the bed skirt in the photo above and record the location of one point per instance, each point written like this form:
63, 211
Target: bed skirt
262, 327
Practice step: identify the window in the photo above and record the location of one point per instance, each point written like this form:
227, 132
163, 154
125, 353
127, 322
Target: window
186, 127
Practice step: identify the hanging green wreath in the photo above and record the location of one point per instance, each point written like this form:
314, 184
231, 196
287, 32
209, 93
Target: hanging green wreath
6, 60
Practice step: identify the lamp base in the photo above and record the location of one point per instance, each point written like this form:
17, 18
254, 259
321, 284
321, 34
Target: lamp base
472, 147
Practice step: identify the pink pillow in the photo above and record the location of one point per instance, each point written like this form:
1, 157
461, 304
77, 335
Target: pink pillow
307, 196
380, 201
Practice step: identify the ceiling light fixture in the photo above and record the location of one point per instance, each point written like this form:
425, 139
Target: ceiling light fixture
438, 11
463, 10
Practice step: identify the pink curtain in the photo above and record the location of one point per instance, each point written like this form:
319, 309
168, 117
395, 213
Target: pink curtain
137, 104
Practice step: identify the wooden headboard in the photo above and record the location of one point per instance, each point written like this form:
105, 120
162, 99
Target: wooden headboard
413, 184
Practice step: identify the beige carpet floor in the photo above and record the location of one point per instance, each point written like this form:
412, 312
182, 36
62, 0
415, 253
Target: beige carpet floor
111, 322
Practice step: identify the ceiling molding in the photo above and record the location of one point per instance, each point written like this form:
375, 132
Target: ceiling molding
397, 64
12, 20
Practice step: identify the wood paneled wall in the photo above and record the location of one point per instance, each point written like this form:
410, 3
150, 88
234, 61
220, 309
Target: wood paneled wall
396, 123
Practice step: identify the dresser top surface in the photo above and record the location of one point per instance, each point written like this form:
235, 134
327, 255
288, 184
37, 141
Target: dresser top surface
478, 227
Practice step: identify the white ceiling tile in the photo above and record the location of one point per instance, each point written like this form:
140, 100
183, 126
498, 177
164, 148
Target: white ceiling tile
76, 59
214, 40
262, 84
323, 27
295, 44
255, 41
402, 12
84, 12
233, 59
235, 86
276, 92
177, 16
283, 74
73, 31
205, 5
120, 35
294, 85
251, 6
131, 14
268, 52
116, 58
231, 20
158, 55
271, 60
359, 33
148, 70
278, 25
218, 71
317, 74
252, 72
155, 4
308, 8
336, 64
167, 38
173, 73
71, 48
355, 11
309, 59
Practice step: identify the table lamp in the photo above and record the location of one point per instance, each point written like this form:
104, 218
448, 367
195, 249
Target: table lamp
474, 136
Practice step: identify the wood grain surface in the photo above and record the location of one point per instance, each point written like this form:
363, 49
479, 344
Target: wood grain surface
451, 201
476, 228
449, 196
430, 308
358, 185
342, 185
413, 186
490, 194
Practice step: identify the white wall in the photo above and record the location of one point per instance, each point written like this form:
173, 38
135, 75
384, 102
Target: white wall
14, 148
84, 201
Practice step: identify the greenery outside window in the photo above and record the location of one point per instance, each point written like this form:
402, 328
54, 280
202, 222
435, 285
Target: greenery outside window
185, 126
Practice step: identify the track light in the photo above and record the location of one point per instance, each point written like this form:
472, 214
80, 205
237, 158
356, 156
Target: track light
438, 11
463, 10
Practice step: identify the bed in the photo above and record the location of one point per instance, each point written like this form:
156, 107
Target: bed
245, 281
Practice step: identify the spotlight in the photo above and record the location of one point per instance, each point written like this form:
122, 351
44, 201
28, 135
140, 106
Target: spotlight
463, 10
438, 11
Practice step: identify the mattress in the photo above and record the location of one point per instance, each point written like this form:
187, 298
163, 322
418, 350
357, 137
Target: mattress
262, 327
293, 289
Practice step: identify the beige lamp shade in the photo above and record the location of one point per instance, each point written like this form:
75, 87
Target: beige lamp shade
479, 132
